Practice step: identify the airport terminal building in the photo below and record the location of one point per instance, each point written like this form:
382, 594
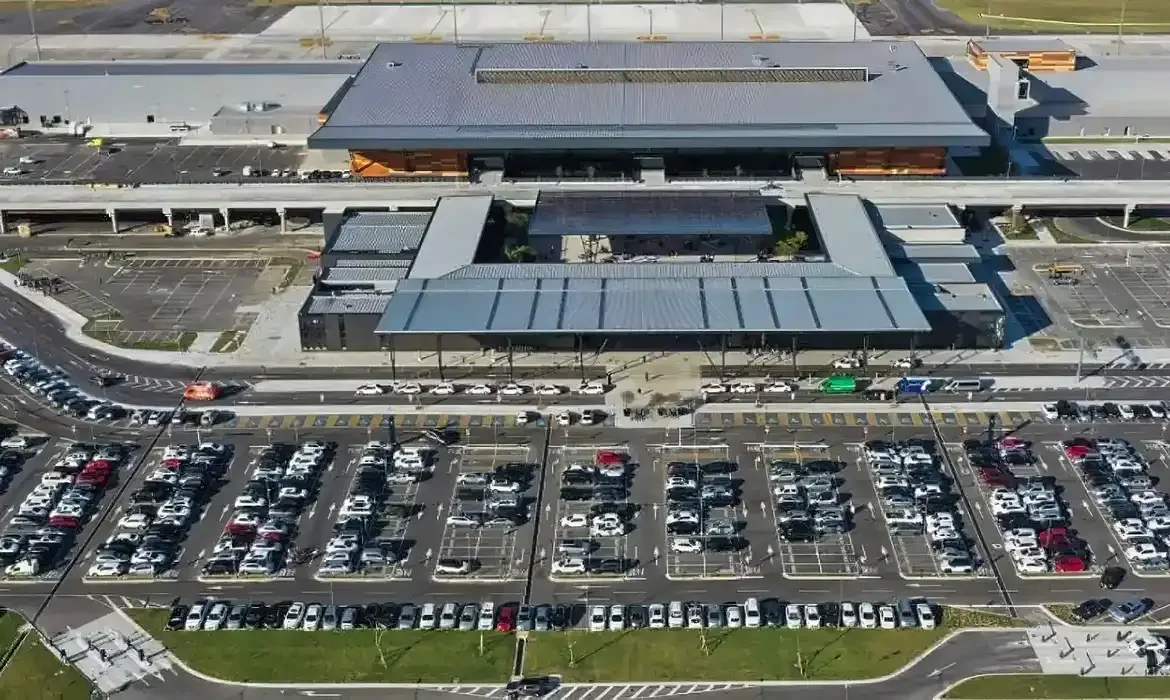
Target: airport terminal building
646, 110
442, 294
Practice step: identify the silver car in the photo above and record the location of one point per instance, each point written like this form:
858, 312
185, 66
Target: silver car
468, 616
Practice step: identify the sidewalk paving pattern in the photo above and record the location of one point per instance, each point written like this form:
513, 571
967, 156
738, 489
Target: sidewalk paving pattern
1088, 651
113, 652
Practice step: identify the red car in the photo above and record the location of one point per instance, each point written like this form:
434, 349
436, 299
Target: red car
1068, 564
1075, 452
171, 463
611, 457
1053, 537
506, 619
96, 478
1006, 481
64, 521
99, 464
1011, 443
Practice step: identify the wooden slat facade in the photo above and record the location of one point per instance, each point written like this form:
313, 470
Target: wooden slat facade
1036, 61
889, 161
398, 163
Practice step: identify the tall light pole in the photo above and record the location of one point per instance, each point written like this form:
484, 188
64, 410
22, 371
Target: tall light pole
1121, 26
321, 20
987, 21
32, 24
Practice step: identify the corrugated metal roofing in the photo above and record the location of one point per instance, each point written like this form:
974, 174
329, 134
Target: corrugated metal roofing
904, 102
372, 262
364, 274
942, 253
658, 270
451, 236
178, 68
955, 297
682, 213
348, 304
895, 216
651, 305
1014, 44
380, 232
848, 235
934, 273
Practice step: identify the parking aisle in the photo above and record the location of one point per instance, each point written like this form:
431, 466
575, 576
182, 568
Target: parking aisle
490, 480
205, 530
706, 480
598, 523
797, 474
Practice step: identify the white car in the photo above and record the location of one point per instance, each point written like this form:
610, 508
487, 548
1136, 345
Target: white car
617, 618
15, 442
1143, 551
925, 616
906, 362
461, 520
846, 363
812, 616
549, 390
744, 388
443, 389
1036, 565
13, 170
513, 390
408, 388
686, 545
848, 615
564, 419
106, 569
778, 388
487, 616
135, 521
887, 617
575, 520
714, 388
792, 617
597, 619
1050, 412
592, 389
657, 616
370, 390
867, 616
480, 390
569, 565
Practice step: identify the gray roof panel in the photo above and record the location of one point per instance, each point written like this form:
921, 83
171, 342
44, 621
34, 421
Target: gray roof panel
168, 69
934, 272
348, 304
897, 216
514, 307
904, 101
364, 274
754, 303
940, 253
720, 303
582, 307
549, 303
682, 213
659, 270
387, 233
451, 236
848, 234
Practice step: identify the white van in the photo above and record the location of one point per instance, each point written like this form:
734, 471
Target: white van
675, 616
962, 385
751, 612
448, 618
427, 621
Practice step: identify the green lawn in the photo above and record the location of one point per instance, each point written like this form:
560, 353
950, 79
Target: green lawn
35, 673
1052, 15
14, 264
1152, 224
740, 654
1053, 687
9, 626
277, 656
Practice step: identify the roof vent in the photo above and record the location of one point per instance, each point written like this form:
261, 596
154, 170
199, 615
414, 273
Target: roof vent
582, 66
393, 64
759, 60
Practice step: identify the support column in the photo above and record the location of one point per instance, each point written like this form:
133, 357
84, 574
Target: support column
227, 218
113, 214
788, 212
1017, 217
3, 223
283, 214
170, 214
1125, 217
439, 356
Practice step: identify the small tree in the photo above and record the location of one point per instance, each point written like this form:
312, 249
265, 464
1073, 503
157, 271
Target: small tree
792, 243
520, 253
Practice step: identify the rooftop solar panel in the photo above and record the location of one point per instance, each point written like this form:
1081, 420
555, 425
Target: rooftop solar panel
650, 214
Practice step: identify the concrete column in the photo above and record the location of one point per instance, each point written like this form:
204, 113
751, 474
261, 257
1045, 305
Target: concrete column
113, 214
227, 220
283, 220
788, 211
1017, 216
1125, 216
170, 214
3, 223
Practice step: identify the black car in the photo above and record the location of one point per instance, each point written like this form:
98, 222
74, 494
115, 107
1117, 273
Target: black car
606, 566
1111, 578
796, 532
560, 617
254, 617
625, 511
1090, 609
636, 614
177, 617
571, 493
274, 614
610, 495
577, 478
772, 612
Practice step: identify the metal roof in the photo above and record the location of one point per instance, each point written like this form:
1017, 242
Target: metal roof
388, 233
357, 275
451, 236
899, 216
934, 273
848, 235
955, 297
178, 68
1021, 44
683, 213
658, 270
371, 262
348, 304
902, 103
688, 305
946, 252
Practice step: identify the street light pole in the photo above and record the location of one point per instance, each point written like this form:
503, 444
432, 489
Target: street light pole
1121, 26
32, 24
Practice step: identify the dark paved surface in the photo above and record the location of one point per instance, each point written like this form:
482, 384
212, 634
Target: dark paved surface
141, 161
1108, 162
129, 17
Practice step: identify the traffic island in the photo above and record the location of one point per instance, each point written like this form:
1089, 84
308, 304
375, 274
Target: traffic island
354, 656
1055, 687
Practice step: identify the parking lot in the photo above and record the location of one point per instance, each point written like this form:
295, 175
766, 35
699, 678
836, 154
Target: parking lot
140, 161
476, 531
811, 476
167, 294
1149, 285
710, 481
596, 519
1120, 162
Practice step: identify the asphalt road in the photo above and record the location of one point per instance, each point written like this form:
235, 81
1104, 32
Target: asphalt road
129, 17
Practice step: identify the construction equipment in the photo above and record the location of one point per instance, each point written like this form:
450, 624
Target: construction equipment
1060, 268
